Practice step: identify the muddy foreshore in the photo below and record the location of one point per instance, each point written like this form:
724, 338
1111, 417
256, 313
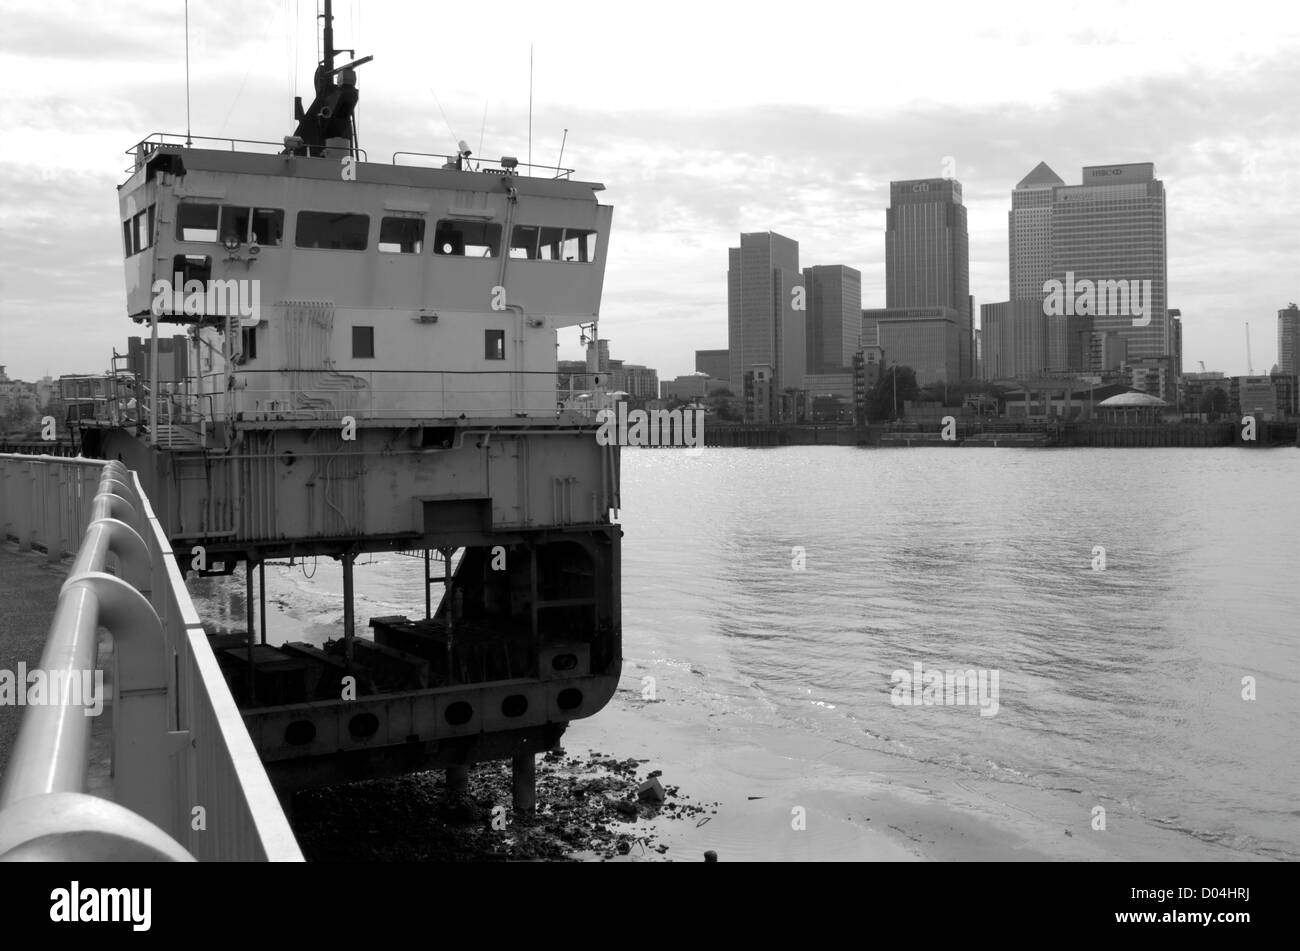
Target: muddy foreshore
587, 809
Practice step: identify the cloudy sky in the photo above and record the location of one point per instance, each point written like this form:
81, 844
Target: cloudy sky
704, 119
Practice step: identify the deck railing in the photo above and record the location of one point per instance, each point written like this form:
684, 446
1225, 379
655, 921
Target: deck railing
187, 781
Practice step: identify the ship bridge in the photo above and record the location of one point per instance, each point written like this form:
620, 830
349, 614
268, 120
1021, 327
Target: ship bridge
317, 287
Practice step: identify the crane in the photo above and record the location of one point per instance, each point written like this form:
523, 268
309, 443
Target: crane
1202, 363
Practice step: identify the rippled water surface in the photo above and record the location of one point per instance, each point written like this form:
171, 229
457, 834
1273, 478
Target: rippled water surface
1122, 685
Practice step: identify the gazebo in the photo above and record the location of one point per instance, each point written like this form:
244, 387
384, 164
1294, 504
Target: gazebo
1132, 407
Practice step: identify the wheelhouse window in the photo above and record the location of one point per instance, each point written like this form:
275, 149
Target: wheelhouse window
196, 221
338, 231
579, 245
494, 345
192, 267
265, 226
363, 343
534, 243
137, 231
401, 235
523, 242
470, 239
549, 243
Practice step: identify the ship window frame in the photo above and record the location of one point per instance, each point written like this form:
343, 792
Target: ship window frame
494, 344
138, 229
529, 250
247, 344
491, 231
192, 267
338, 217
253, 212
181, 228
549, 243
363, 338
270, 236
588, 238
418, 244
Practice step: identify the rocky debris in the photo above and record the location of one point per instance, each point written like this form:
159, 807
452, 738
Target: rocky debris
592, 807
651, 791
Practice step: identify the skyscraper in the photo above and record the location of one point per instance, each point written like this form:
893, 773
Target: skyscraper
1013, 337
1029, 233
927, 256
1022, 326
1288, 340
834, 301
764, 326
1110, 231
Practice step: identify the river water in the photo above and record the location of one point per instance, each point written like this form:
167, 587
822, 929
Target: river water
786, 586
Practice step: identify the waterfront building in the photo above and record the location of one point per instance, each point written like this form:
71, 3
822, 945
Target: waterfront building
1288, 340
1014, 341
765, 327
927, 339
1110, 231
713, 362
834, 303
927, 258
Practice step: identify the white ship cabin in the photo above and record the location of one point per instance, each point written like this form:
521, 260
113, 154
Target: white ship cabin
313, 287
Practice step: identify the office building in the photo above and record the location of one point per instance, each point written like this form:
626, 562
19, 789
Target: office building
1013, 337
833, 297
927, 339
1109, 256
1288, 340
927, 257
714, 363
765, 328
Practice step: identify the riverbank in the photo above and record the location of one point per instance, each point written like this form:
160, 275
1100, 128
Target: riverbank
1005, 434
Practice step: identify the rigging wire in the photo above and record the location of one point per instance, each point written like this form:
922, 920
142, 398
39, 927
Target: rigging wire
450, 131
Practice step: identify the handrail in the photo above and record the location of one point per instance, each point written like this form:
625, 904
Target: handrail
174, 722
156, 140
499, 169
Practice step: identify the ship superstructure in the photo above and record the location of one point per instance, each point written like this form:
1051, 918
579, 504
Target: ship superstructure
343, 355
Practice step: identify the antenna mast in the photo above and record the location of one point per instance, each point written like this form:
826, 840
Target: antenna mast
188, 140
1250, 365
530, 103
327, 57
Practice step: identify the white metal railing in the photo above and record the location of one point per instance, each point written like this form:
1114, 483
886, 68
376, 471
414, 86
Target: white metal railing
154, 141
490, 166
187, 781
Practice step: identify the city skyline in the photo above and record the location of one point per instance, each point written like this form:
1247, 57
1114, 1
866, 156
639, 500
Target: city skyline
689, 163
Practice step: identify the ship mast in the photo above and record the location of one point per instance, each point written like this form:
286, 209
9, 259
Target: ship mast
327, 60
332, 112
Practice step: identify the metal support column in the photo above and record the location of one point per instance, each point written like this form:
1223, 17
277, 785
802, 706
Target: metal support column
349, 630
261, 594
457, 780
428, 595
248, 614
523, 781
